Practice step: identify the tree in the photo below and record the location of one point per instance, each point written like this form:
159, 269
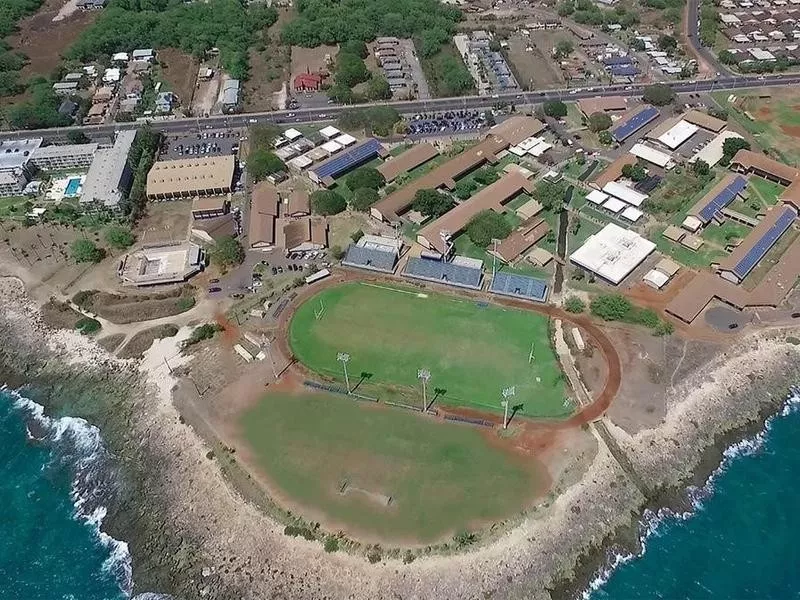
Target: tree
605, 138
486, 226
573, 304
563, 49
555, 109
611, 307
356, 47
77, 137
486, 176
731, 146
634, 172
701, 168
658, 94
599, 121
364, 198
365, 177
119, 237
494, 45
431, 203
378, 88
726, 57
464, 188
229, 252
86, 251
350, 70
667, 43
261, 163
327, 202
637, 45
550, 195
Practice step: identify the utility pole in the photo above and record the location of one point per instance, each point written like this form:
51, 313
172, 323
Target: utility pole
495, 241
344, 358
508, 392
424, 375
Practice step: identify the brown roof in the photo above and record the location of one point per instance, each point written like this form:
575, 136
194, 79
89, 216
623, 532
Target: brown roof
217, 227
770, 291
442, 176
184, 176
791, 195
299, 203
302, 231
614, 171
713, 192
410, 159
668, 266
203, 203
705, 121
264, 199
521, 240
674, 233
319, 232
590, 106
491, 197
755, 236
692, 242
517, 129
748, 160
263, 211
662, 128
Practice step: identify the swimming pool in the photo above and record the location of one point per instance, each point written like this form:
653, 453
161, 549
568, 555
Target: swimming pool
73, 187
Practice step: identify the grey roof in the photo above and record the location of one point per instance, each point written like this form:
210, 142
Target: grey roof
439, 271
64, 150
108, 169
230, 92
14, 154
371, 259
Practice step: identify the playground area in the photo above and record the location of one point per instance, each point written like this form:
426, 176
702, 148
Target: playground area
391, 339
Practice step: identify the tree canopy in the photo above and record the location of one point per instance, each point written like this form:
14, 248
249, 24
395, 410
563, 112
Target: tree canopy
731, 146
605, 138
611, 307
563, 49
364, 198
40, 111
550, 195
228, 252
599, 121
365, 177
658, 94
432, 203
119, 237
667, 43
634, 172
555, 109
486, 226
327, 202
84, 250
464, 188
379, 120
261, 163
76, 136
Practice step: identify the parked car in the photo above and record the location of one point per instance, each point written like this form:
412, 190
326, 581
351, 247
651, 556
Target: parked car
211, 290
214, 281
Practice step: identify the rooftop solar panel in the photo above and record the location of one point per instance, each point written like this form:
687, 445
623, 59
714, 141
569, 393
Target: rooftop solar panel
635, 123
365, 151
519, 286
723, 199
371, 259
617, 60
443, 272
648, 184
624, 70
767, 241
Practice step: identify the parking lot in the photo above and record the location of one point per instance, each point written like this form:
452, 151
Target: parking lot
449, 122
206, 143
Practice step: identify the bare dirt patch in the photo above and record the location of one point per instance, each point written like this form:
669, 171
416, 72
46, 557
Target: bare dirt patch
764, 113
135, 307
268, 73
791, 130
533, 69
179, 70
164, 222
311, 60
142, 341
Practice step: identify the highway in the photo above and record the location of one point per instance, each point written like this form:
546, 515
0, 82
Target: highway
330, 113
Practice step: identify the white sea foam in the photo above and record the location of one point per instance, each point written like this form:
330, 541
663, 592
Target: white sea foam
653, 521
79, 445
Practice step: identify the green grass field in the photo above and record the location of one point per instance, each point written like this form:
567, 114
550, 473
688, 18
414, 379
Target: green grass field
441, 477
472, 352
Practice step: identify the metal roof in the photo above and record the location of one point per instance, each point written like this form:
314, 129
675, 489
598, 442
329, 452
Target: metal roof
763, 244
628, 127
439, 271
366, 150
722, 198
371, 259
519, 286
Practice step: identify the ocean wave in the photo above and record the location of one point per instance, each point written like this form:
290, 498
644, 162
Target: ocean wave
78, 446
653, 522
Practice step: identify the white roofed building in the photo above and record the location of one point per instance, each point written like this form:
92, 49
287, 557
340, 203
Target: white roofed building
596, 197
292, 134
345, 140
329, 132
678, 134
651, 155
613, 253
623, 192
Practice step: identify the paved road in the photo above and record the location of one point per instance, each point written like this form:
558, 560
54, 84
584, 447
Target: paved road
330, 113
693, 37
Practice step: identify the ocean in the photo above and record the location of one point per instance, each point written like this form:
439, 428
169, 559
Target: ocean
739, 541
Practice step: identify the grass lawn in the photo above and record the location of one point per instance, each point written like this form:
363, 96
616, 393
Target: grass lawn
702, 258
767, 191
587, 228
309, 445
465, 247
472, 351
724, 234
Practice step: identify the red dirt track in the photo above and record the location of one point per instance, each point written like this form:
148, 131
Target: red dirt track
587, 414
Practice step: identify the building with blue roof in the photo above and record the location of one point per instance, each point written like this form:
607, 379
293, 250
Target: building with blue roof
439, 271
720, 196
634, 123
519, 286
325, 172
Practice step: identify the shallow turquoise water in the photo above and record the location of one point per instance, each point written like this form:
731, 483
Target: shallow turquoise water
46, 551
743, 540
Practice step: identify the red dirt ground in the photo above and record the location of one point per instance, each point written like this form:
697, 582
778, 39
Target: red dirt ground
791, 130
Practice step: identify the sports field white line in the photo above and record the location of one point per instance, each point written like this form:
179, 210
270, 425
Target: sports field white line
391, 289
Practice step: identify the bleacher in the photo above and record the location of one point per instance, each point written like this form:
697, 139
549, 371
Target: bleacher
370, 259
438, 271
519, 286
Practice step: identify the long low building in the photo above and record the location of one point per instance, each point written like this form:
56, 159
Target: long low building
325, 172
110, 176
263, 213
678, 134
189, 177
704, 120
651, 155
632, 123
747, 161
412, 158
59, 158
167, 263
492, 197
719, 197
614, 171
612, 253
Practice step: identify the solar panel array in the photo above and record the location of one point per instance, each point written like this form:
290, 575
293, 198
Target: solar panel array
365, 151
623, 70
635, 123
723, 198
767, 241
519, 286
443, 272
371, 259
648, 184
617, 60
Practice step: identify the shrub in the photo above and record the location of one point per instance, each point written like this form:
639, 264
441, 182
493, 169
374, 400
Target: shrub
664, 328
611, 307
119, 237
464, 538
487, 225
573, 304
331, 544
363, 198
337, 253
357, 235
185, 303
229, 252
86, 251
203, 332
374, 554
88, 326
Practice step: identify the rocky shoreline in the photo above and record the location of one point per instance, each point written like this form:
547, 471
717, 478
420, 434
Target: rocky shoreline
191, 536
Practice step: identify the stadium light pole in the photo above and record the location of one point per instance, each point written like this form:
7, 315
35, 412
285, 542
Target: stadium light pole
344, 357
495, 241
508, 392
424, 375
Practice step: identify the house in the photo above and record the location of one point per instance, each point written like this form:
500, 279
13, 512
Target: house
103, 94
308, 82
230, 95
143, 54
164, 102
112, 75
204, 74
73, 76
128, 105
120, 57
65, 88
91, 4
